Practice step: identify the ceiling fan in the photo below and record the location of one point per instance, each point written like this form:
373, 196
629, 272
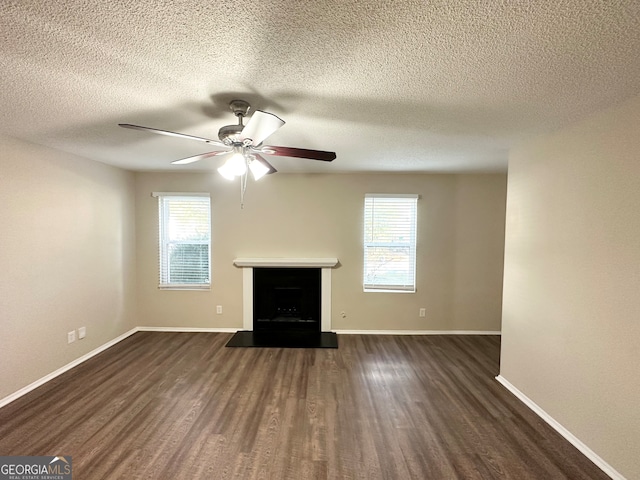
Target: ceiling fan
244, 143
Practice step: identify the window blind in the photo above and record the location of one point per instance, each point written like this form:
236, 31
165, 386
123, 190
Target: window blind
390, 242
185, 241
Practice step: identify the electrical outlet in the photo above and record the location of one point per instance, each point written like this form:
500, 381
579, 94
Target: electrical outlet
71, 336
219, 309
423, 312
82, 332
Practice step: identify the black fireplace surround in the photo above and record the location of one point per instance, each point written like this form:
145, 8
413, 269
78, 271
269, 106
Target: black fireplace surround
286, 299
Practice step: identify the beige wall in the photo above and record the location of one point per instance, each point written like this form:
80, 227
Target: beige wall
460, 247
66, 259
571, 313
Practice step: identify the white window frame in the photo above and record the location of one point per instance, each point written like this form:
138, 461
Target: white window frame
410, 241
164, 241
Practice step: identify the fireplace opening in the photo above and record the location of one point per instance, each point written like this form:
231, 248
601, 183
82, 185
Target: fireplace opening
286, 299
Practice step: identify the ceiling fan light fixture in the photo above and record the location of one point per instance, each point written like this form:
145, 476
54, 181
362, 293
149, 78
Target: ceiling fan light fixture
258, 169
226, 171
237, 164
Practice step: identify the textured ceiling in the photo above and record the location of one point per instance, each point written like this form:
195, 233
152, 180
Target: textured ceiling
404, 85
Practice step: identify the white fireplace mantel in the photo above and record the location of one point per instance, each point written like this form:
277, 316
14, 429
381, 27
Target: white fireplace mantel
286, 262
324, 264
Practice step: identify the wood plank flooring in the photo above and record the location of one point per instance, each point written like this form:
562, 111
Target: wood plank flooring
182, 406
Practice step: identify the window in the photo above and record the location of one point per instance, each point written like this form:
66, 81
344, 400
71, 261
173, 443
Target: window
185, 238
390, 242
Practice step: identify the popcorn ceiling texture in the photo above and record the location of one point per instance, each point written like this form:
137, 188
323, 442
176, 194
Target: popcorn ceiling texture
389, 85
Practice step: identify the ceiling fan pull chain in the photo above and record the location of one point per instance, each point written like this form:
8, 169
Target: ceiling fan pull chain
243, 187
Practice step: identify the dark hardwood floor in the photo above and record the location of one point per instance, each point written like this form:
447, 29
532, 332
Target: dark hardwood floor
182, 406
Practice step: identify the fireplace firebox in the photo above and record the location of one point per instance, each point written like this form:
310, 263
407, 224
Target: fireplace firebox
286, 299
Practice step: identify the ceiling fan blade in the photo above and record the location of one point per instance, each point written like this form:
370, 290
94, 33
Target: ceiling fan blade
172, 134
299, 153
196, 158
262, 160
260, 126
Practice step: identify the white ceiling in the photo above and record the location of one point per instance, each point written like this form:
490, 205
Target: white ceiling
404, 85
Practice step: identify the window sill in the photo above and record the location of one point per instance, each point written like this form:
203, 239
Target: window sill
185, 287
380, 290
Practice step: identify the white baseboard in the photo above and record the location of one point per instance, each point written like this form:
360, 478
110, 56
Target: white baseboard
23, 391
340, 332
187, 329
571, 438
415, 332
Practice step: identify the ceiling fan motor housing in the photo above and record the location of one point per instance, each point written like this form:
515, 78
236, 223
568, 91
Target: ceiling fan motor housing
229, 133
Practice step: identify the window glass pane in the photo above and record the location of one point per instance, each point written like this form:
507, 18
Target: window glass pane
185, 233
390, 242
188, 263
188, 219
